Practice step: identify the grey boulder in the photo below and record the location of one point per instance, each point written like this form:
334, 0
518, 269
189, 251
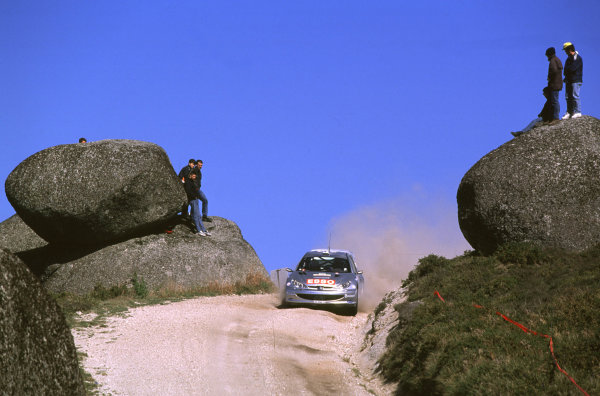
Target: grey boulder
180, 260
17, 236
94, 193
542, 187
37, 352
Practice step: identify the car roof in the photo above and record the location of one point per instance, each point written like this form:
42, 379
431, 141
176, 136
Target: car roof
332, 252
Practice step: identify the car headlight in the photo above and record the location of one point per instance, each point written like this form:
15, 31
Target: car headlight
295, 284
348, 285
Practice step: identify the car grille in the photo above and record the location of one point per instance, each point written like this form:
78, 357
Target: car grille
326, 288
320, 297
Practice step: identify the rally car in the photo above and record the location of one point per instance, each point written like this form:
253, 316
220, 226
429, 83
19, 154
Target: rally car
327, 277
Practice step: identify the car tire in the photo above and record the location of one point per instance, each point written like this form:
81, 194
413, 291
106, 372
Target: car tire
353, 310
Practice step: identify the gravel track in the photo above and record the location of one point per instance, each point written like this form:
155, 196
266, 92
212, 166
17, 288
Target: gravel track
227, 345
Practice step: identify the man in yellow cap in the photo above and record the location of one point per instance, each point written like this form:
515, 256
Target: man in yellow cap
573, 80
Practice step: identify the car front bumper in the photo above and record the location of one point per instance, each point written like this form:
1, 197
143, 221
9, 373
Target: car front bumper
321, 297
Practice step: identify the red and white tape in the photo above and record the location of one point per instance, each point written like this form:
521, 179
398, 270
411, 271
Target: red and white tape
526, 330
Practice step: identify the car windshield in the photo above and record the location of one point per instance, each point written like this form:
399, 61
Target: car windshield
324, 264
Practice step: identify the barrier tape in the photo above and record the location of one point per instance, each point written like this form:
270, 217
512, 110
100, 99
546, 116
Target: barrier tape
526, 330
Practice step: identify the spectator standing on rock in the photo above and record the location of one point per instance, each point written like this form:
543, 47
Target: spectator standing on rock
183, 175
192, 190
185, 171
198, 171
554, 83
573, 81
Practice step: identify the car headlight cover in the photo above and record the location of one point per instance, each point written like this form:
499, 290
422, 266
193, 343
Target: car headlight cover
348, 285
295, 284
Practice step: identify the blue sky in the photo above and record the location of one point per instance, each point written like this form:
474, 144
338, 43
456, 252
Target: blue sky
303, 112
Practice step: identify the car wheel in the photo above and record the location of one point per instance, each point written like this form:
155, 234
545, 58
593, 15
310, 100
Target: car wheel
353, 310
283, 303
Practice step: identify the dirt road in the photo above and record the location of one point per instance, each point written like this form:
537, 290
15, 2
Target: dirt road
227, 345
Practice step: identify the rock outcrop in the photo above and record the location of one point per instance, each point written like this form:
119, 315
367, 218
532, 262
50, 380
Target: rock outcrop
17, 236
378, 326
180, 259
542, 187
393, 312
95, 193
104, 209
37, 353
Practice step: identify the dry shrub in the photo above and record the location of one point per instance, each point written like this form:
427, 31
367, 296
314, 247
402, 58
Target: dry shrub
253, 284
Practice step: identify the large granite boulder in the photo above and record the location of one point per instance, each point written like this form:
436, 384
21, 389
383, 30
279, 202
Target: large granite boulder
17, 236
179, 260
542, 187
94, 193
37, 353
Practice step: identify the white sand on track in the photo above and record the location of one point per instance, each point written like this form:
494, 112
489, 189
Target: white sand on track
227, 345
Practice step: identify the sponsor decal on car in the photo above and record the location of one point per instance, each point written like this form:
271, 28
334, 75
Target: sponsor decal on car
327, 282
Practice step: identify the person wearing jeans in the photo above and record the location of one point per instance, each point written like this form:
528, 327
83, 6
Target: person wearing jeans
554, 83
545, 115
197, 218
184, 175
204, 201
191, 189
198, 171
555, 105
573, 81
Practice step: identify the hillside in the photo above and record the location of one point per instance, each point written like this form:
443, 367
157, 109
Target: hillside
455, 347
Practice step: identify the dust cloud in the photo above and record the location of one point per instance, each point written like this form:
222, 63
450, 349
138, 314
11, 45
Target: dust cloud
387, 240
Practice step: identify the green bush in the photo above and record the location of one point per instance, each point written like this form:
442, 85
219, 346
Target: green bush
139, 286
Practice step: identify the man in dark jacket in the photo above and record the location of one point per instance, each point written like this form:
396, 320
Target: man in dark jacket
554, 83
198, 171
183, 175
185, 171
191, 189
573, 81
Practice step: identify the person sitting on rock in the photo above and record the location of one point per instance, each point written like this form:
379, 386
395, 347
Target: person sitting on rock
184, 173
546, 115
197, 170
192, 191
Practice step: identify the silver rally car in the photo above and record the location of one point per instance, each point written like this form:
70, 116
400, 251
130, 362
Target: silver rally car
327, 277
